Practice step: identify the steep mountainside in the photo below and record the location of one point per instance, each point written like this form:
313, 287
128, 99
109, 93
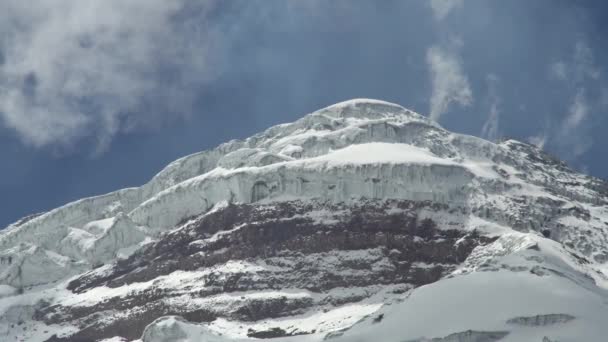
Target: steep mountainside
360, 221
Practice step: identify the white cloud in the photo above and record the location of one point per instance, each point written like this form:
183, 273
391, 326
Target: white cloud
570, 136
450, 84
74, 69
573, 135
579, 68
441, 8
584, 63
559, 70
490, 127
538, 140
577, 114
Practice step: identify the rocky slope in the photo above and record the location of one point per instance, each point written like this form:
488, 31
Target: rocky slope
360, 220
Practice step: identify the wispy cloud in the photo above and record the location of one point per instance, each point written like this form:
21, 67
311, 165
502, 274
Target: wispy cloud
449, 82
570, 135
441, 8
579, 110
584, 63
579, 68
559, 70
75, 69
490, 127
573, 135
539, 140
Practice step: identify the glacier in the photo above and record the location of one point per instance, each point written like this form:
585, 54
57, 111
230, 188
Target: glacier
534, 207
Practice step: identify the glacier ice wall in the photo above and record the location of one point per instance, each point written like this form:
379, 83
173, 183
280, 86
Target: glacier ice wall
358, 148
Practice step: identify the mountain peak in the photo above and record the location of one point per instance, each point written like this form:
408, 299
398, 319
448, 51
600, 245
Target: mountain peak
351, 208
367, 109
363, 103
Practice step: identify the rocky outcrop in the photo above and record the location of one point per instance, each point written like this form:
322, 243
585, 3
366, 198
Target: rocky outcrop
314, 246
469, 336
541, 320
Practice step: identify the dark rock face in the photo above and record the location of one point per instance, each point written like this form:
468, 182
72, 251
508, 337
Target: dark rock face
469, 336
541, 320
313, 246
272, 333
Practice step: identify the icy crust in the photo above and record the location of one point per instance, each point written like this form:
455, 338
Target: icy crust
100, 241
319, 125
172, 328
75, 214
50, 255
376, 170
29, 265
72, 234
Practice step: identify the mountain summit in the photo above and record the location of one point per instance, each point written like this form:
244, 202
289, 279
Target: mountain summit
361, 221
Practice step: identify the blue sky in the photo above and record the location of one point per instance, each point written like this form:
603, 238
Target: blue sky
100, 95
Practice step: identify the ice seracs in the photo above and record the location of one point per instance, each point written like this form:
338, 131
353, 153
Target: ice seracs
335, 127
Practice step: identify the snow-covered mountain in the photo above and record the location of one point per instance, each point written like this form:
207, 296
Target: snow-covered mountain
361, 221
